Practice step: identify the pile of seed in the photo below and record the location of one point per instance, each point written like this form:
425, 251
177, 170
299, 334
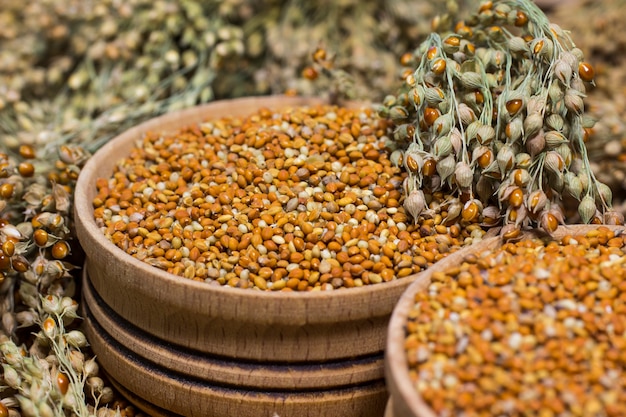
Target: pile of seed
532, 328
303, 199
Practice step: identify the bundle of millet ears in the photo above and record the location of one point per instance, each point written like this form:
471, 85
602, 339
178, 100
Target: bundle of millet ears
492, 112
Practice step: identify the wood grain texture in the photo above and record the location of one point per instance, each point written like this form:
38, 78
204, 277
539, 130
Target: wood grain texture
159, 391
389, 408
226, 371
143, 405
404, 398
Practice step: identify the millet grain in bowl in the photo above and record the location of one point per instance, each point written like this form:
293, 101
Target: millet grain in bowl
302, 199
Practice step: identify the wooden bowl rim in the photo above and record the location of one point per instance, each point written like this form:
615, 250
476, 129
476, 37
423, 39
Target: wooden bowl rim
95, 240
396, 361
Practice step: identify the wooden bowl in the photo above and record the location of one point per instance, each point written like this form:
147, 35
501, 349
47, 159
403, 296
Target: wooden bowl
320, 342
163, 379
404, 400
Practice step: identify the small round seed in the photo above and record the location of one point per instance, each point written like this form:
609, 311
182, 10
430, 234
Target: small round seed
586, 71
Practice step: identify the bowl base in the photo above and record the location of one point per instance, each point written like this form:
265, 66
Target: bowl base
142, 367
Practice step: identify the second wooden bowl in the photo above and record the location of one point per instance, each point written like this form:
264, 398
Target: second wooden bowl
404, 399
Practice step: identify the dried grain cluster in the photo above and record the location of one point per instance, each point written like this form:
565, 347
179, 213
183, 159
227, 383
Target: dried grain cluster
596, 27
493, 112
73, 72
50, 374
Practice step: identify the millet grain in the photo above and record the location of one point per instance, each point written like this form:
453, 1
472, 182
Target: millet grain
304, 199
532, 328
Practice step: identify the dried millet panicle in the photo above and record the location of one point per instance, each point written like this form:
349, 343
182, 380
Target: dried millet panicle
303, 199
500, 97
597, 28
42, 376
537, 326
